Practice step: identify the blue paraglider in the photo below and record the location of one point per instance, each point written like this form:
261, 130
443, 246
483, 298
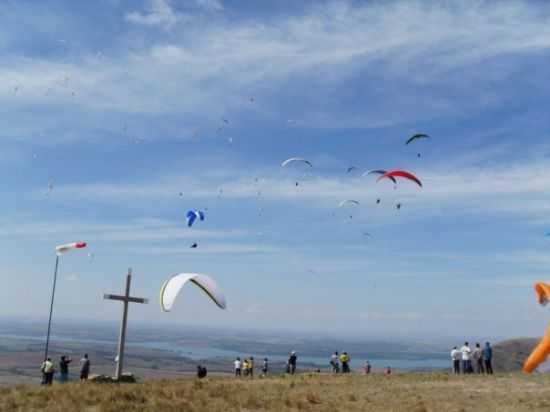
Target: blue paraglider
193, 215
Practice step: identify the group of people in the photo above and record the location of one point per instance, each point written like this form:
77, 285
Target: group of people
467, 360
340, 363
246, 367
48, 369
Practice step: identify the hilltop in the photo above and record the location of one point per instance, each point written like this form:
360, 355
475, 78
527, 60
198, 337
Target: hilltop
318, 392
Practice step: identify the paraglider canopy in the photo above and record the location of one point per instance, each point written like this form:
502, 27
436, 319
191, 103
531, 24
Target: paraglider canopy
415, 137
378, 172
296, 159
543, 292
401, 173
172, 287
348, 202
193, 215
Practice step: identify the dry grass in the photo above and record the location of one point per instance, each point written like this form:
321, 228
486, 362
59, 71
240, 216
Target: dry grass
399, 392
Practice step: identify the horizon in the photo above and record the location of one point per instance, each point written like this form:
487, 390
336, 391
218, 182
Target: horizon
122, 115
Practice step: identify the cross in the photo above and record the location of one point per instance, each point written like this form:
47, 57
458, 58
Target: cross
126, 298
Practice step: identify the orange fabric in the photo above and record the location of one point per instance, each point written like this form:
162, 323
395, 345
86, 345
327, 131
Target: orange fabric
542, 350
543, 292
539, 354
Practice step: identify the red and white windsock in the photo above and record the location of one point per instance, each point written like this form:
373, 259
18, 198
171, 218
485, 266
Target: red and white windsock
62, 249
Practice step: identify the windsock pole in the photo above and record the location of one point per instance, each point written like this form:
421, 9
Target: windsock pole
51, 306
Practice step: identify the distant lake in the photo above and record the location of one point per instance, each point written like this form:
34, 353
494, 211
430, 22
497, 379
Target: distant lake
203, 353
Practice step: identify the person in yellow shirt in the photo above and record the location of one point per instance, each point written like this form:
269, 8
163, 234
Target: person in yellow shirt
344, 360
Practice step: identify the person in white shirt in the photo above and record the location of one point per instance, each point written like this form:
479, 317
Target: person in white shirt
335, 362
456, 356
237, 364
466, 358
477, 355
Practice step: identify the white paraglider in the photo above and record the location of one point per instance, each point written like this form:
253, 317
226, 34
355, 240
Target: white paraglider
348, 202
172, 287
296, 159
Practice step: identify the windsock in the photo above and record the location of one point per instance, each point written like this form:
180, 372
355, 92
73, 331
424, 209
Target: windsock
62, 249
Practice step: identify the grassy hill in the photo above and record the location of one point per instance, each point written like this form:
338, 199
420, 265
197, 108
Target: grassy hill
509, 355
399, 392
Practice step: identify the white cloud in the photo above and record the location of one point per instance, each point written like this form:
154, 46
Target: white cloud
161, 14
421, 53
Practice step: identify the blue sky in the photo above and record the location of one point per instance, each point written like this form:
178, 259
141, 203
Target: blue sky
121, 106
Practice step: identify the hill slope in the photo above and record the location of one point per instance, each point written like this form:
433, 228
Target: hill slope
509, 355
378, 392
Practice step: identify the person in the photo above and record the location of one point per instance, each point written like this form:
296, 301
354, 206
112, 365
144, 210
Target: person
455, 356
201, 371
466, 360
265, 367
388, 370
477, 355
488, 358
335, 362
251, 366
245, 367
367, 368
48, 370
344, 360
84, 367
64, 369
237, 365
292, 362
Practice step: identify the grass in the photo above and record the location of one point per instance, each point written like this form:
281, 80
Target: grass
416, 392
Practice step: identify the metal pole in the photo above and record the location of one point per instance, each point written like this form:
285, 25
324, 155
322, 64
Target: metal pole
122, 337
51, 307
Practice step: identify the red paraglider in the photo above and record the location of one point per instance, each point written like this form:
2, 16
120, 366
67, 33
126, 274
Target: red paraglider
401, 173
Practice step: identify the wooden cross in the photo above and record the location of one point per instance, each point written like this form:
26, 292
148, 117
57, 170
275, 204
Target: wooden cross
126, 298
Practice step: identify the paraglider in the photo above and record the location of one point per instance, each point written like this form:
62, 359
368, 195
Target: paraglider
378, 201
351, 169
348, 202
193, 215
194, 246
294, 160
398, 206
541, 351
392, 174
378, 172
416, 137
172, 287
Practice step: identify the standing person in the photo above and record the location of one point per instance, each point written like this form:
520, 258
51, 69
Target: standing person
64, 369
335, 362
251, 366
84, 367
245, 367
265, 367
466, 358
388, 370
292, 362
237, 366
455, 356
367, 368
488, 358
48, 370
344, 360
477, 355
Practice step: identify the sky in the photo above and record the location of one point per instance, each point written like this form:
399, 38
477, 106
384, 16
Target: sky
119, 116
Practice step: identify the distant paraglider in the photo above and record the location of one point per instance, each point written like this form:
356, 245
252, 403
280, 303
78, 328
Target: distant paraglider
392, 174
416, 137
351, 169
348, 202
193, 215
194, 246
172, 287
294, 160
378, 172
